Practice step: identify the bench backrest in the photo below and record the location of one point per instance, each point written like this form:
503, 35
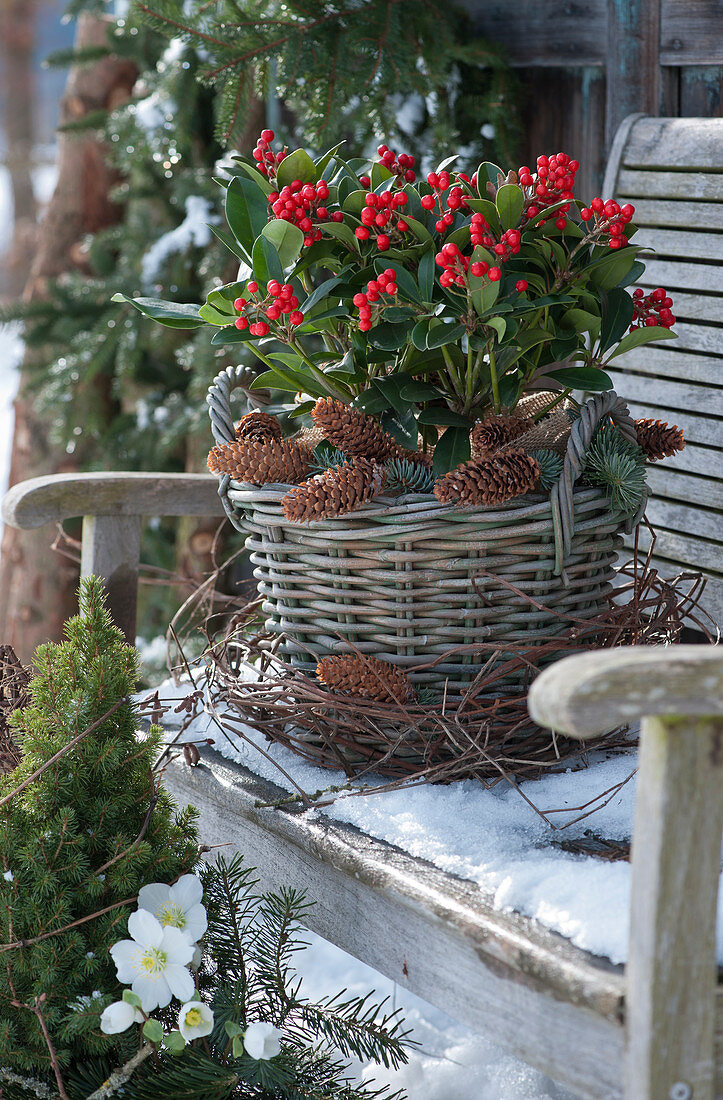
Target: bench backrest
671, 170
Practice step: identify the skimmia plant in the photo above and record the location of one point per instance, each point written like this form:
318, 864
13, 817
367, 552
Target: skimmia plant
428, 302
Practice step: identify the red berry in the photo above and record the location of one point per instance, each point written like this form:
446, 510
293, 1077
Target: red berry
364, 326
402, 226
239, 304
597, 205
494, 274
262, 328
362, 233
521, 285
273, 312
383, 242
267, 135
296, 317
252, 287
586, 214
392, 289
287, 290
561, 222
337, 216
427, 202
274, 288
476, 269
241, 322
359, 299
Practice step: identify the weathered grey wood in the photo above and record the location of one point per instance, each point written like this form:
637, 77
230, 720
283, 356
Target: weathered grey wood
700, 91
693, 307
680, 276
633, 72
111, 549
669, 361
687, 551
705, 461
586, 694
671, 973
691, 32
524, 988
46, 499
675, 485
633, 182
684, 243
554, 34
671, 395
698, 429
686, 143
677, 213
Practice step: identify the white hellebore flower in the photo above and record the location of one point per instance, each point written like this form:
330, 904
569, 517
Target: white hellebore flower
154, 961
194, 1020
118, 1017
178, 905
261, 1040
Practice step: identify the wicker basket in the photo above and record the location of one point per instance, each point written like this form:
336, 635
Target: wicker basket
419, 583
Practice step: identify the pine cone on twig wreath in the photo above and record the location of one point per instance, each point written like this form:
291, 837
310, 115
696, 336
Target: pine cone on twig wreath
351, 430
658, 439
338, 490
493, 432
259, 462
257, 426
489, 481
365, 678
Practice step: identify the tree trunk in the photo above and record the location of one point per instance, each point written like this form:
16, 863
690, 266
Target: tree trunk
17, 85
37, 586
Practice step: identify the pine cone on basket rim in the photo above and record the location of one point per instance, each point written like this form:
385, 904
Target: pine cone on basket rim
489, 481
365, 678
257, 426
260, 462
351, 430
493, 432
338, 490
658, 439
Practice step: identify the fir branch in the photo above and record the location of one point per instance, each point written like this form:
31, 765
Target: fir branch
618, 467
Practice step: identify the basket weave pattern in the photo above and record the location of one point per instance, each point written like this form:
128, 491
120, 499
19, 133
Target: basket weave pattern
405, 580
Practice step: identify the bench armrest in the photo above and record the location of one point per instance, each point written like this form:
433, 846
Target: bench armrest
589, 693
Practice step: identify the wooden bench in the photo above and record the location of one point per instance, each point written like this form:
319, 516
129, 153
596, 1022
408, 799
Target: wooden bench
671, 170
645, 1032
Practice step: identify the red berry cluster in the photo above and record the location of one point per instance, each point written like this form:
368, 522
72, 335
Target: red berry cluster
609, 218
377, 215
266, 159
446, 206
508, 244
383, 284
400, 166
652, 309
303, 204
278, 302
553, 183
454, 265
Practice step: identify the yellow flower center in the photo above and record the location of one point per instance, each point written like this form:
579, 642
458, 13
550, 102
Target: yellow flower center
172, 913
193, 1017
153, 960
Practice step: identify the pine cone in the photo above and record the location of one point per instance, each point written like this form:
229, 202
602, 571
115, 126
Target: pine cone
493, 432
338, 490
365, 678
489, 480
351, 430
258, 426
259, 462
658, 439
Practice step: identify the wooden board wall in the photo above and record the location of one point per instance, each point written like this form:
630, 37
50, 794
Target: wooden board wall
586, 64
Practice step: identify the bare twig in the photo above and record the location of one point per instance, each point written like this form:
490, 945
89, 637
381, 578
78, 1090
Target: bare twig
119, 1077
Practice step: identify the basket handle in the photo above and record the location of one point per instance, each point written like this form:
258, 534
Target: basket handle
600, 407
218, 400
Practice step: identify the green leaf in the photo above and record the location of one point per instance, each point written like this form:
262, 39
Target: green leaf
231, 243
607, 271
131, 998
642, 336
319, 293
238, 1050
342, 232
444, 416
420, 333
379, 174
326, 158
421, 391
286, 238
487, 173
232, 1029
581, 320
498, 324
616, 318
170, 314
636, 272
441, 333
576, 377
302, 409
488, 208
425, 275
218, 308
406, 282
252, 173
296, 166
174, 1042
452, 448
247, 211
420, 231
531, 337
389, 337
354, 203
153, 1031
266, 262
510, 203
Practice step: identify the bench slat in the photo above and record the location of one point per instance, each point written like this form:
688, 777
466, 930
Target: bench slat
675, 142
666, 361
665, 394
697, 429
667, 484
683, 244
692, 307
682, 276
686, 551
634, 182
677, 214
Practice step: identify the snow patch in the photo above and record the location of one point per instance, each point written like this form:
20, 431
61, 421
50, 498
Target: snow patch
193, 230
